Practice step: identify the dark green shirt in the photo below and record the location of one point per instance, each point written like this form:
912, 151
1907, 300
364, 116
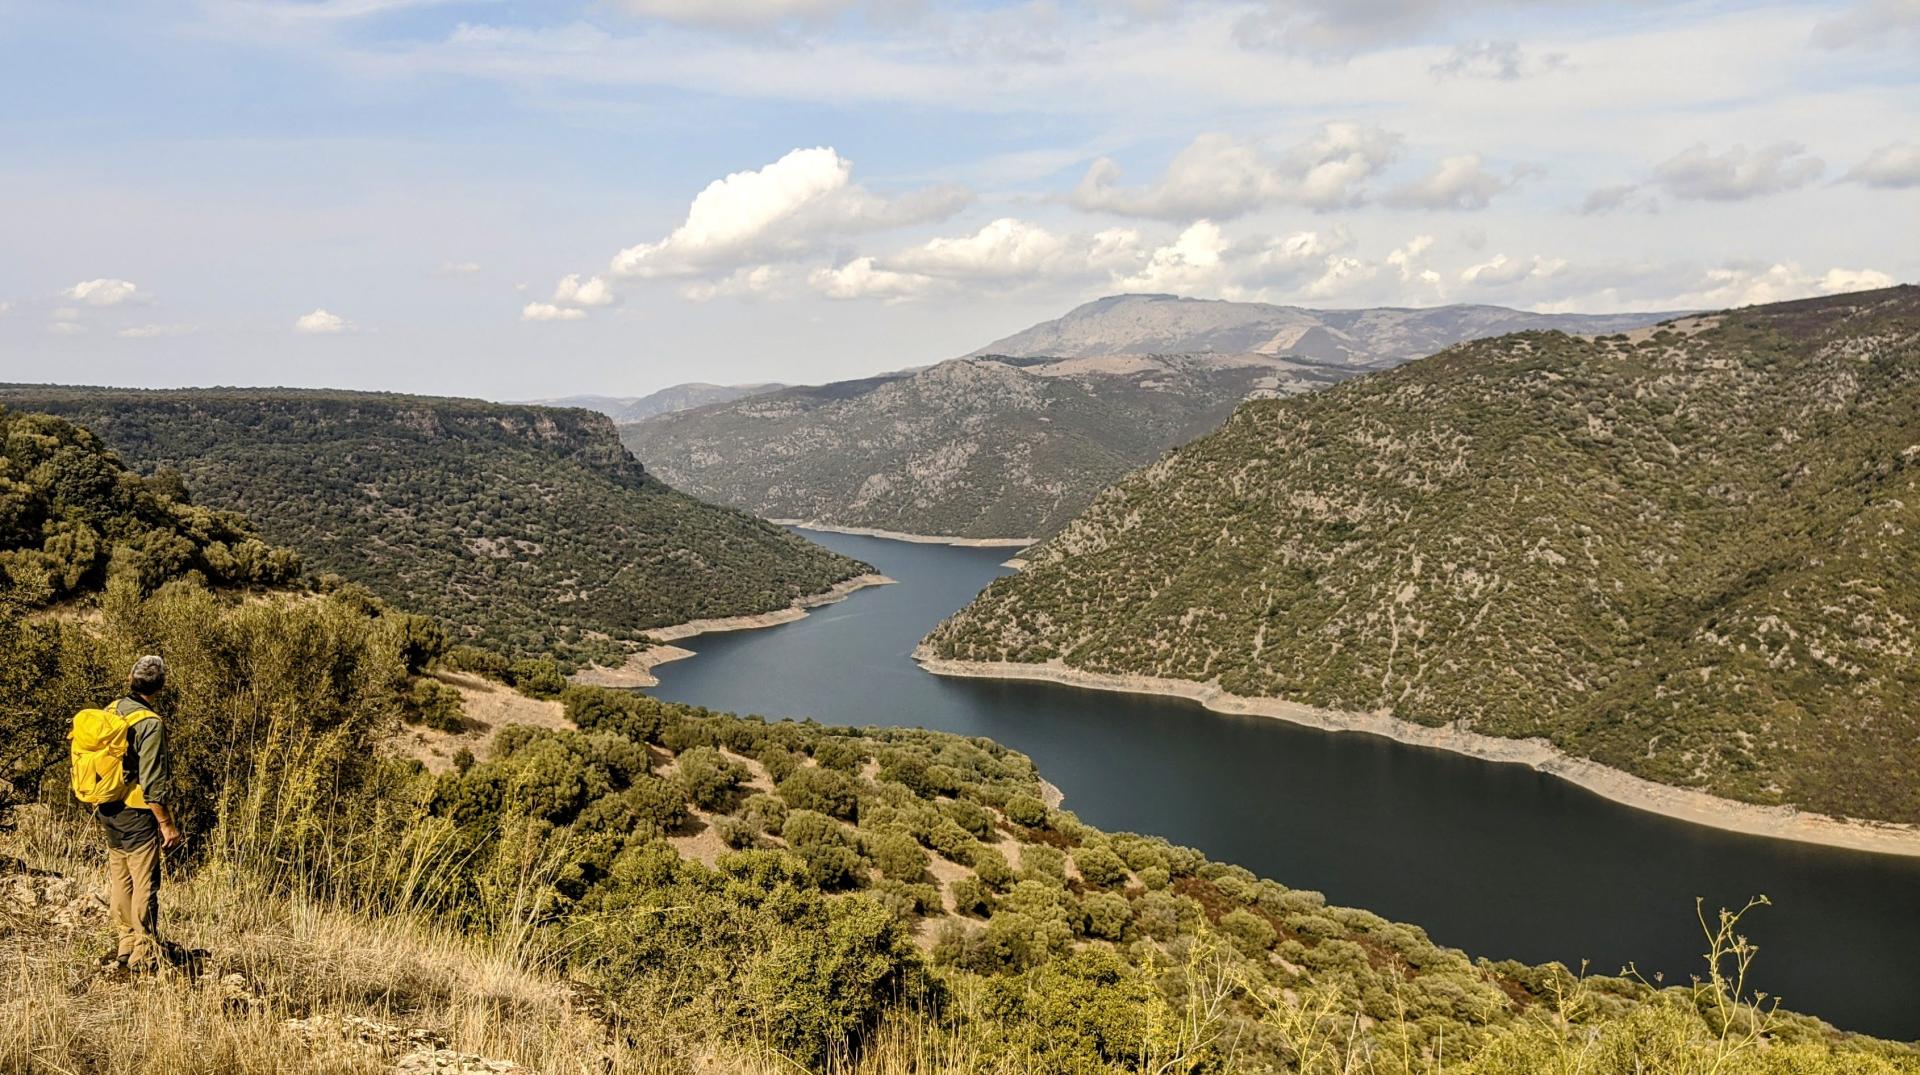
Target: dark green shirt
148, 764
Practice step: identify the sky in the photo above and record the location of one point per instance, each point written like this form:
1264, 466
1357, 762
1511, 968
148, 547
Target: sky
530, 200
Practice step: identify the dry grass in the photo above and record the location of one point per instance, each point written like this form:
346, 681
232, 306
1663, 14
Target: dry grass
296, 958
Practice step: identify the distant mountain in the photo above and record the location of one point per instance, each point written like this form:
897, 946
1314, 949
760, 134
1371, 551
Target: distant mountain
1356, 339
678, 397
1014, 443
531, 527
1687, 553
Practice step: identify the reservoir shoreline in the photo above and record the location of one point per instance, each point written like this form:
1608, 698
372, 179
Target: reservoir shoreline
1684, 804
917, 539
637, 671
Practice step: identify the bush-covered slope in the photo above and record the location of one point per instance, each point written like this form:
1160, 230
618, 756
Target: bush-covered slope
1688, 554
976, 448
72, 515
529, 528
669, 889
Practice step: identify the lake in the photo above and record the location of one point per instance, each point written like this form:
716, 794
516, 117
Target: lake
1496, 859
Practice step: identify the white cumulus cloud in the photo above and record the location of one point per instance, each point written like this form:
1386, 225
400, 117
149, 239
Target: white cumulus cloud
1501, 270
1738, 173
573, 291
1003, 248
861, 278
1747, 285
1409, 261
1194, 262
103, 292
788, 208
747, 282
322, 323
1218, 176
547, 311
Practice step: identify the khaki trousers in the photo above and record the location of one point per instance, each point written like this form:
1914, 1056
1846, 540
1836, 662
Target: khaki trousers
133, 895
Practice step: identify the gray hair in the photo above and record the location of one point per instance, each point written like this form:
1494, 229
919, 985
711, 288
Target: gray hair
149, 673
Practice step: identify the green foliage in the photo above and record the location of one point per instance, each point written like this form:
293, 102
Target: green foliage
1099, 865
539, 677
530, 528
827, 791
552, 848
434, 704
709, 778
898, 855
72, 517
1026, 810
1688, 558
481, 662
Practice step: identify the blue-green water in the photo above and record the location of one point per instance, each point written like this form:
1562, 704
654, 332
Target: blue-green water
1497, 859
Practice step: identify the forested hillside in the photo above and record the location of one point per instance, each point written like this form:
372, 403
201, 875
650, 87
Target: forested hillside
528, 528
1685, 553
975, 448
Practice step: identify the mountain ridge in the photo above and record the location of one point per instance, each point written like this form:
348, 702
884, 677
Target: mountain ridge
1366, 338
1006, 443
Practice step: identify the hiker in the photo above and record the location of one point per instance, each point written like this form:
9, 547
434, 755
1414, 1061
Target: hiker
129, 801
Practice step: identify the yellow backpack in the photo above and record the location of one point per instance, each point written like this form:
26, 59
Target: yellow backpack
99, 741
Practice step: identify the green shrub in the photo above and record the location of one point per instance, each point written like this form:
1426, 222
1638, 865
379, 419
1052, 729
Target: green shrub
1252, 933
764, 812
1026, 810
709, 778
436, 705
970, 897
1106, 914
898, 855
969, 815
839, 754
1100, 866
480, 662
991, 867
825, 791
1040, 862
538, 677
825, 847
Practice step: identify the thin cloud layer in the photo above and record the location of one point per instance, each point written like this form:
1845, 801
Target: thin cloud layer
1737, 174
1894, 166
1460, 182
